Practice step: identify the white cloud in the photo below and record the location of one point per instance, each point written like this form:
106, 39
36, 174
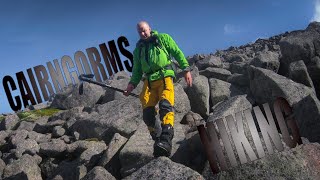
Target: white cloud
316, 15
232, 29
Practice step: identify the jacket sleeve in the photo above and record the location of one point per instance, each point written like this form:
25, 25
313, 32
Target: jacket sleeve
175, 51
136, 71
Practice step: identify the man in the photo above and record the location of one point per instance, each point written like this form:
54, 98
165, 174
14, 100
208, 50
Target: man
151, 57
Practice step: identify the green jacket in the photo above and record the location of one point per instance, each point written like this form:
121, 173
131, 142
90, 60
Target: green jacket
150, 57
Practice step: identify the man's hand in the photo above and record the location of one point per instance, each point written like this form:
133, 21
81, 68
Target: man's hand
129, 89
188, 78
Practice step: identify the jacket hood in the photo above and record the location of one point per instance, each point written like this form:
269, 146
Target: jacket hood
154, 32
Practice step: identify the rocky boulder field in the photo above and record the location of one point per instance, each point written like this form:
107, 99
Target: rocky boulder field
99, 134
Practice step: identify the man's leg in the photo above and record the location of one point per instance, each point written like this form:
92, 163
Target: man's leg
164, 145
149, 99
149, 117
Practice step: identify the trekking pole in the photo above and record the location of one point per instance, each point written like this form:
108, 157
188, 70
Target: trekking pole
88, 78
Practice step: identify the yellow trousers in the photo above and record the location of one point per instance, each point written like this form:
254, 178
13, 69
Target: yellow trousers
161, 91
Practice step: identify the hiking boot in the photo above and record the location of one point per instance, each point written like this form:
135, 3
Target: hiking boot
154, 136
163, 145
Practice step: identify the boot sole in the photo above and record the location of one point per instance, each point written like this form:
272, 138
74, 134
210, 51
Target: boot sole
161, 151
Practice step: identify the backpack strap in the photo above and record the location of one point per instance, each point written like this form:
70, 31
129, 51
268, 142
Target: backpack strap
139, 45
161, 46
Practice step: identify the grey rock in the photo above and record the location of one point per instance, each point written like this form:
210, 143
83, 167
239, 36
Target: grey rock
230, 107
275, 86
238, 67
48, 166
2, 166
110, 158
119, 75
191, 60
26, 125
66, 139
178, 138
297, 163
73, 120
111, 94
221, 90
298, 72
181, 101
210, 61
113, 117
54, 148
314, 72
9, 122
39, 106
226, 65
192, 148
305, 140
239, 80
275, 47
24, 168
42, 120
98, 173
58, 131
198, 57
71, 97
48, 127
37, 158
300, 45
40, 125
78, 147
76, 135
267, 60
28, 146
120, 80
138, 151
192, 120
41, 129
52, 124
9, 157
92, 155
38, 137
315, 26
72, 170
17, 137
3, 137
125, 117
168, 170
67, 114
199, 95
307, 116
114, 146
235, 58
217, 73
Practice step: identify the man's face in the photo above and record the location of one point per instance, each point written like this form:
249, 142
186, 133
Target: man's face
144, 31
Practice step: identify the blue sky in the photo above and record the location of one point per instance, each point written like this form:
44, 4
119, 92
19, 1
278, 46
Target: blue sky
35, 32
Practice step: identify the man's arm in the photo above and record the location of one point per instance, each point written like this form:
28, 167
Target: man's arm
175, 51
136, 74
136, 70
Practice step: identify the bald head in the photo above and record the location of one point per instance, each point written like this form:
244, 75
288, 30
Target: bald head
144, 30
